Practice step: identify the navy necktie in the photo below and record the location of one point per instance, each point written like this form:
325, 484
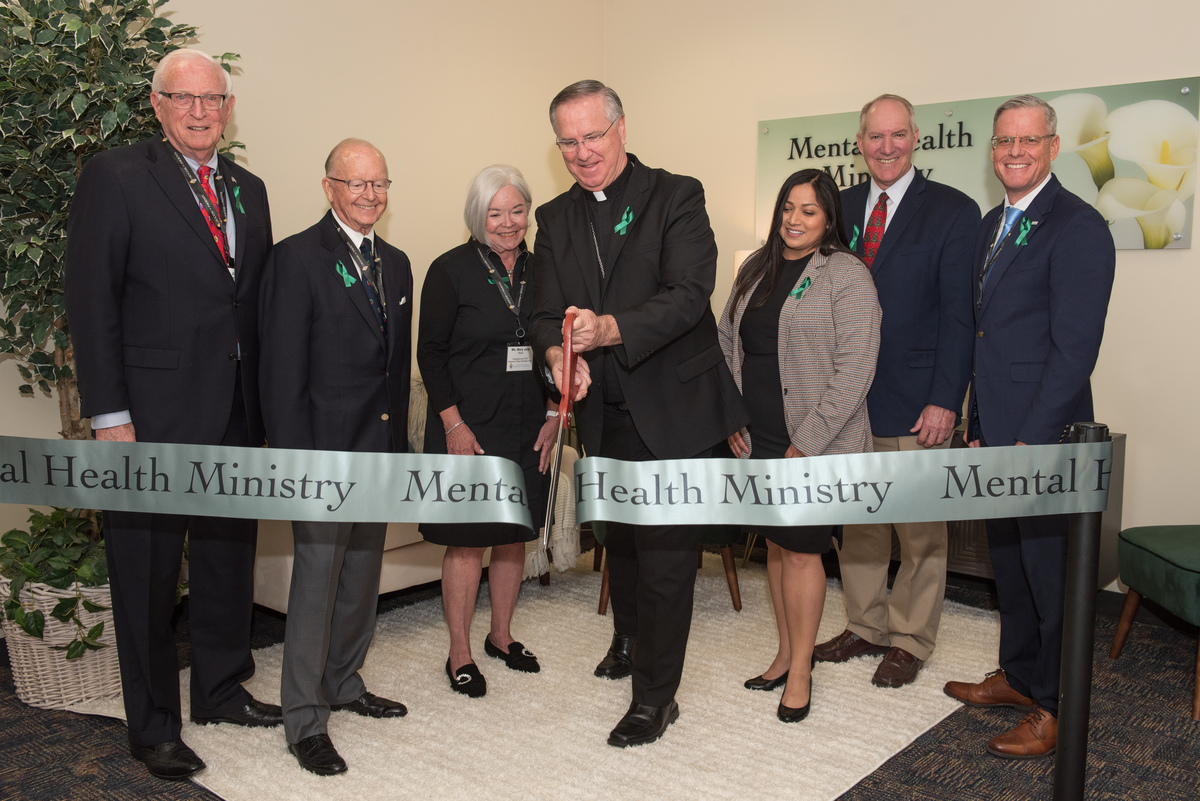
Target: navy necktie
370, 284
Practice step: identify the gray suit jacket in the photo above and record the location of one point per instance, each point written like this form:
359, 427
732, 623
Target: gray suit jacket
828, 344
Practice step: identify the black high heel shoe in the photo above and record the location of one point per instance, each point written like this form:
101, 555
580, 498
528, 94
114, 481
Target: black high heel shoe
795, 714
760, 683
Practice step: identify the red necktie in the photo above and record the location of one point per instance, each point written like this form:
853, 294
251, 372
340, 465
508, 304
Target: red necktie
217, 233
874, 233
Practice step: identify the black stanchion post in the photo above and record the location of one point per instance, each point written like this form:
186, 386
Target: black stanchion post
1079, 636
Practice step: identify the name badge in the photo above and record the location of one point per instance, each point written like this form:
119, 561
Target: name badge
520, 358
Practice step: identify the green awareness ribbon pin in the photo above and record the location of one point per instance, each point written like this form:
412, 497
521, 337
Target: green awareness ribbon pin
854, 239
805, 284
237, 199
346, 276
1023, 236
626, 219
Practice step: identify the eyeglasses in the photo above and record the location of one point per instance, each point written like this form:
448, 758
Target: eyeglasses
591, 140
1026, 141
182, 100
357, 187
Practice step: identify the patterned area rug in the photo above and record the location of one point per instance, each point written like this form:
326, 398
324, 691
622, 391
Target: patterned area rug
543, 735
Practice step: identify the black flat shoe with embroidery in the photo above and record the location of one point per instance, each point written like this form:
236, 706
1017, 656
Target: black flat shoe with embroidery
518, 656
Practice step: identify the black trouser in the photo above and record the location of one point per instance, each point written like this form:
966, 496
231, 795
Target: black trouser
144, 553
1029, 560
652, 578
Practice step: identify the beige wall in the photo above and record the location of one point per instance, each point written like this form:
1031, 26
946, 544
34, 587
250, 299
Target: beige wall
453, 86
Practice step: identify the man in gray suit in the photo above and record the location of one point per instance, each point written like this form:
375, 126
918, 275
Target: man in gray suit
335, 342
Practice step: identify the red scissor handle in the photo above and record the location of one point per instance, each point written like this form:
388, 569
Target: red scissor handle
568, 372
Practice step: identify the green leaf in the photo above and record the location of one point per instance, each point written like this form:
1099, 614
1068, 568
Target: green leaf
89, 606
30, 571
76, 650
64, 610
108, 123
79, 104
95, 632
71, 22
35, 623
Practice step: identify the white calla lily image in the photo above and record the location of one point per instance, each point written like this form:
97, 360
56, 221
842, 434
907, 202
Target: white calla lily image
1160, 137
1160, 212
1081, 129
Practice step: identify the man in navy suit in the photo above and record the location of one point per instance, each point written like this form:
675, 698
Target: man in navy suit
165, 247
917, 238
1044, 267
336, 325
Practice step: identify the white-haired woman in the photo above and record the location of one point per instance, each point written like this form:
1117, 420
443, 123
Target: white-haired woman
485, 397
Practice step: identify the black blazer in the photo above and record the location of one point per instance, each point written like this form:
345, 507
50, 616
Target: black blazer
155, 318
922, 274
1040, 320
670, 366
329, 378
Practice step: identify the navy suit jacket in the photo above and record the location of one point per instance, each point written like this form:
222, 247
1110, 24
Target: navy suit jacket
156, 320
330, 380
680, 394
922, 275
1039, 320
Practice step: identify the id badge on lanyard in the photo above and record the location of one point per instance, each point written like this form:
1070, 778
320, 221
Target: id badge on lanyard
520, 357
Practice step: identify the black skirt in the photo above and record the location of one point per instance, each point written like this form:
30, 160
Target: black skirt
762, 392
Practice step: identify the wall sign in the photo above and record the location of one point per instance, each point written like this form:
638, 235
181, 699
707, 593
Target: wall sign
1128, 149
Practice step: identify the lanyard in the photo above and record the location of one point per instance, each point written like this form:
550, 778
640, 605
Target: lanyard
372, 274
515, 308
217, 215
993, 251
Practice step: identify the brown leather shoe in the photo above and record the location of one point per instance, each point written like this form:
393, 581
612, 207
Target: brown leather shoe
1035, 736
897, 669
994, 690
846, 645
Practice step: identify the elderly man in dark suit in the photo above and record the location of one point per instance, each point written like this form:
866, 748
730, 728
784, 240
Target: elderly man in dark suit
917, 237
336, 324
1044, 266
629, 249
165, 245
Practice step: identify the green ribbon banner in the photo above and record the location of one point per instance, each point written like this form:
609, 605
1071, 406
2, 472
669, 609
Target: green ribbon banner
277, 484
903, 487
262, 483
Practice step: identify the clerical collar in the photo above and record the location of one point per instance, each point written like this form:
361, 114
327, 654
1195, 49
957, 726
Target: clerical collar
618, 185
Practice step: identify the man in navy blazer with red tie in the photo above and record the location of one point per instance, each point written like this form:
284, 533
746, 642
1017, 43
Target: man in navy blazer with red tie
921, 264
1044, 268
162, 296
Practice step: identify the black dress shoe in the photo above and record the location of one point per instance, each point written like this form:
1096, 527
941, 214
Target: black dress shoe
372, 706
789, 714
169, 760
317, 755
518, 657
618, 662
255, 713
467, 680
759, 683
643, 724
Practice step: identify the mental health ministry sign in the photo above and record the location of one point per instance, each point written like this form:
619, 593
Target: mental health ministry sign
1128, 149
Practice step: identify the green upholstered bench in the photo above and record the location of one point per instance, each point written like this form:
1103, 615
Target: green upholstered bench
1163, 564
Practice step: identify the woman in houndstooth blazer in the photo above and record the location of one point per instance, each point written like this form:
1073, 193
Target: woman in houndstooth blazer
800, 334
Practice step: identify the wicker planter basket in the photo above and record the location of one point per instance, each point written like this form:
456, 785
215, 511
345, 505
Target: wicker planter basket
43, 676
